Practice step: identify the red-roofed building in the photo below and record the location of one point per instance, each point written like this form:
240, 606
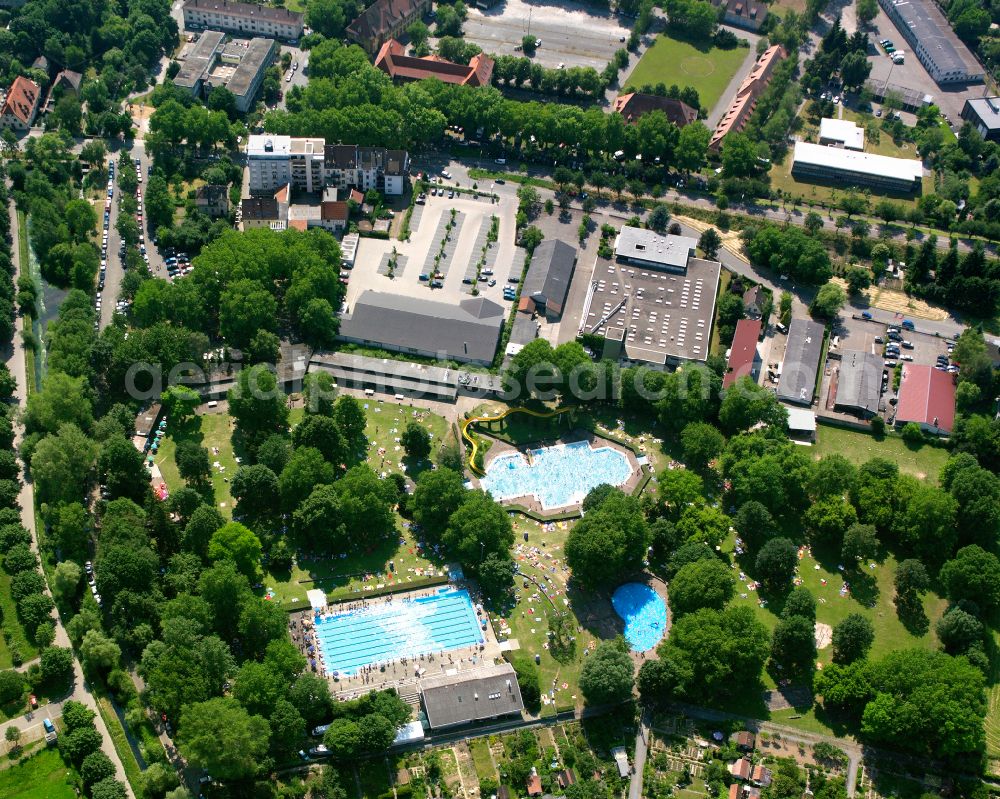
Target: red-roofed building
636, 104
534, 785
753, 85
741, 769
392, 60
744, 360
926, 397
384, 20
19, 109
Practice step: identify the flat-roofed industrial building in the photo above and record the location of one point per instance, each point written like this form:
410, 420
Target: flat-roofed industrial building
815, 161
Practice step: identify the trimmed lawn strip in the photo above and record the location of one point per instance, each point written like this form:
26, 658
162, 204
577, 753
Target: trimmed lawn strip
480, 750
12, 623
924, 461
132, 771
41, 776
664, 62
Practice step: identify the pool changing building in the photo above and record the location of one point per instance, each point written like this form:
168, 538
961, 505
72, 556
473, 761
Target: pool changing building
466, 697
815, 161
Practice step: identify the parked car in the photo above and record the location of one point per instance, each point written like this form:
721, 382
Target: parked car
866, 315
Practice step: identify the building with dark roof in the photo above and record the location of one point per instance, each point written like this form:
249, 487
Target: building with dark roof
930, 35
859, 383
238, 65
250, 18
926, 397
388, 376
983, 113
212, 200
746, 14
636, 104
468, 696
392, 60
546, 284
384, 20
801, 364
21, 104
744, 360
467, 332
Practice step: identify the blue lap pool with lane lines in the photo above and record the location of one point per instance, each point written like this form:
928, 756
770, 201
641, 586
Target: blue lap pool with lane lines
556, 476
397, 629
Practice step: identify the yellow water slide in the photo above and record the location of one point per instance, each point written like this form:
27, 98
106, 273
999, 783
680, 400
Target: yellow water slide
496, 418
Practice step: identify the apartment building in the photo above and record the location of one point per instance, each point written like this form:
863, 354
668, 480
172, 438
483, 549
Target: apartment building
742, 105
21, 104
248, 18
312, 165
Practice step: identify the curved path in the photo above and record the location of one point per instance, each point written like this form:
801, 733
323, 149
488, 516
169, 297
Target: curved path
503, 415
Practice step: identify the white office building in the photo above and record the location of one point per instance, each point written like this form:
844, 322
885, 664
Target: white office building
269, 161
816, 161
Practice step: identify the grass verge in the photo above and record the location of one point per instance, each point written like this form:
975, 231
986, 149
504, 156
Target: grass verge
132, 771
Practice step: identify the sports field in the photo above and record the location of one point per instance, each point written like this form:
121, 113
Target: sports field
671, 61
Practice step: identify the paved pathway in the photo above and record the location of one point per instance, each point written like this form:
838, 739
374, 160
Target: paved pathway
639, 764
14, 356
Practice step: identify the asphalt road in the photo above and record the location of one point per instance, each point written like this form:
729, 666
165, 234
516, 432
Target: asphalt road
15, 358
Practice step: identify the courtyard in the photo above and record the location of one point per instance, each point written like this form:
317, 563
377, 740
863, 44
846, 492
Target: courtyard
706, 69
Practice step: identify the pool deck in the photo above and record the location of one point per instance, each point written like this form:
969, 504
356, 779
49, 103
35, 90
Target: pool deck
401, 672
530, 501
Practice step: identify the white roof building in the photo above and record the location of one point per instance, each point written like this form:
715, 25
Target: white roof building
854, 168
646, 248
842, 132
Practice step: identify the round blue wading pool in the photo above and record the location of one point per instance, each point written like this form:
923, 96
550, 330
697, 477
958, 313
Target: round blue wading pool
644, 614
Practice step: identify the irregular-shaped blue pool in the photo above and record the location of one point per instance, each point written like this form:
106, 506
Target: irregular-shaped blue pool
644, 614
556, 476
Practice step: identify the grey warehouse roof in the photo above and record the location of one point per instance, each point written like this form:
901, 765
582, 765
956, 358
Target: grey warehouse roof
798, 372
860, 382
550, 272
470, 696
988, 111
928, 25
388, 374
469, 330
645, 245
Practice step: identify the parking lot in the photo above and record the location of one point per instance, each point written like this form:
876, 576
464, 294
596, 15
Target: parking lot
572, 34
891, 344
416, 257
911, 73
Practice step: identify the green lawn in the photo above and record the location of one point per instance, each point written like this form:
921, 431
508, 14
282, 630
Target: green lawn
924, 461
13, 625
214, 432
671, 61
386, 421
41, 776
480, 750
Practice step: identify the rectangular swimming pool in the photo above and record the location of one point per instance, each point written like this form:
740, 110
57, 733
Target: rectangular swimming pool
400, 628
